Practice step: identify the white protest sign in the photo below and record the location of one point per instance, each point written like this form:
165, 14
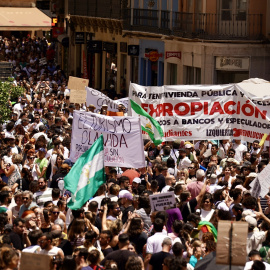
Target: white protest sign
260, 185
98, 99
123, 144
162, 201
193, 112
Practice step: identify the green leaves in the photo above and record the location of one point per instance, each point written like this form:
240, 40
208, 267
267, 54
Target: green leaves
8, 92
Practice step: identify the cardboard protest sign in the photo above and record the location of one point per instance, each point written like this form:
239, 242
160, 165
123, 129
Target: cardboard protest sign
109, 113
35, 261
77, 89
260, 185
98, 99
162, 201
123, 144
193, 112
231, 243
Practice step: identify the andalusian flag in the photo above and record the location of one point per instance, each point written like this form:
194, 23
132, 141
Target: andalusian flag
86, 175
149, 124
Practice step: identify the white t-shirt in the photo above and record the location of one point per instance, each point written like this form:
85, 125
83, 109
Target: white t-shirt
52, 252
184, 163
154, 242
249, 265
239, 150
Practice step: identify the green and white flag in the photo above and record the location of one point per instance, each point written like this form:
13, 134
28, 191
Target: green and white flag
86, 175
149, 124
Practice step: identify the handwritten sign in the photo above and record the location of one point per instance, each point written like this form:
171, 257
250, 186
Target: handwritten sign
77, 89
260, 185
123, 144
35, 261
162, 201
98, 99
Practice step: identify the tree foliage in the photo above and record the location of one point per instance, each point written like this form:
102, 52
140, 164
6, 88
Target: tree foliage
8, 92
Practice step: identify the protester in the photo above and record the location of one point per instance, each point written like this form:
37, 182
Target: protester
208, 180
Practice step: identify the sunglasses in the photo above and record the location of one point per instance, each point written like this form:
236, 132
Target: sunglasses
30, 157
55, 213
25, 198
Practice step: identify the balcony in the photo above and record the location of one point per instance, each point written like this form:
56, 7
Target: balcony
225, 26
188, 25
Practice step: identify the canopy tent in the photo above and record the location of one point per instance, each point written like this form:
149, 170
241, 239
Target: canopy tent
258, 88
23, 19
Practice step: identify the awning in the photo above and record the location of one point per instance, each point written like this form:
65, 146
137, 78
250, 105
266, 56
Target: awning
23, 19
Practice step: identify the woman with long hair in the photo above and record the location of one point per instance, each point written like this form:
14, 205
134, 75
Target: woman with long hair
226, 177
9, 258
12, 171
136, 234
206, 207
46, 225
76, 234
144, 210
24, 182
58, 163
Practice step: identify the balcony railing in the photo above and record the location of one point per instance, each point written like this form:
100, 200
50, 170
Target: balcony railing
188, 25
227, 26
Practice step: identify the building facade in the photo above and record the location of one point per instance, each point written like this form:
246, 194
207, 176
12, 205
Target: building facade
115, 42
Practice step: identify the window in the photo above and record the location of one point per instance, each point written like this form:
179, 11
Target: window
192, 75
171, 74
226, 10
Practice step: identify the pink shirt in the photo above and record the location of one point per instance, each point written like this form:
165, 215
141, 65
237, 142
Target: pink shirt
195, 188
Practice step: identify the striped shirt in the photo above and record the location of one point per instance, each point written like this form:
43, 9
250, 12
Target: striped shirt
40, 197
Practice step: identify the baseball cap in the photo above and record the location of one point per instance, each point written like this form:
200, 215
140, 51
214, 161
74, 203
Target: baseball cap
251, 221
41, 150
128, 196
188, 146
137, 180
122, 192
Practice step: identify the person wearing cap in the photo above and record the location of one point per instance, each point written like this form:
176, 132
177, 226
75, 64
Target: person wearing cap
41, 163
91, 108
104, 109
183, 161
189, 150
126, 200
135, 184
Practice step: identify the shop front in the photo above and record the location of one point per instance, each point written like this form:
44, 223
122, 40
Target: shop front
151, 63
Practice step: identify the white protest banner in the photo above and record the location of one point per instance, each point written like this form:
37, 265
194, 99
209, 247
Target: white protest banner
260, 185
98, 99
193, 112
162, 201
123, 144
77, 89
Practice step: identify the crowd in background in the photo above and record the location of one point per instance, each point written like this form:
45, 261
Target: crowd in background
117, 228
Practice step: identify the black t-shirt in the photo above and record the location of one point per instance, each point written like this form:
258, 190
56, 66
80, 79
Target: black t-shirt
139, 241
106, 251
55, 178
125, 213
16, 240
120, 257
157, 259
23, 184
66, 246
161, 182
185, 209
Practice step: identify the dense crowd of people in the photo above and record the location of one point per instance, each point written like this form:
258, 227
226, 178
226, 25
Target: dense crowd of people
117, 228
